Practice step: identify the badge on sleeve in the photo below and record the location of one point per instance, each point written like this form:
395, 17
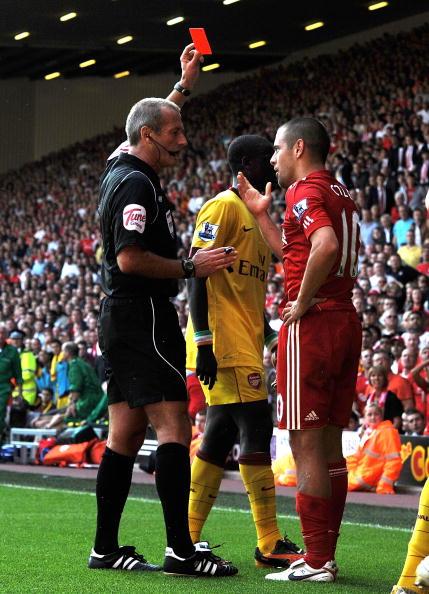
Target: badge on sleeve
134, 217
300, 208
208, 231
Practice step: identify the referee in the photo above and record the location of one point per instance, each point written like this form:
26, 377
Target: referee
140, 337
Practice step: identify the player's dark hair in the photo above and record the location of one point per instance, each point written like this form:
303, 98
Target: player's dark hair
247, 146
312, 132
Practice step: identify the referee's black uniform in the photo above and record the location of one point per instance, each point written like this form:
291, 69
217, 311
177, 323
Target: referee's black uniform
139, 333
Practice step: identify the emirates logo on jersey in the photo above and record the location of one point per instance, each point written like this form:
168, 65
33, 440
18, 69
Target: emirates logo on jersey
134, 217
254, 380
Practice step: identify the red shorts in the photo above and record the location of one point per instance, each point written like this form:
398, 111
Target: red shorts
317, 363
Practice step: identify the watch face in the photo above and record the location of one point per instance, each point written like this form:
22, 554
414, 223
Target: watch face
189, 265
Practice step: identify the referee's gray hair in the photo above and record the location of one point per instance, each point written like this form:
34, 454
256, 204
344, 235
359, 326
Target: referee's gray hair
147, 112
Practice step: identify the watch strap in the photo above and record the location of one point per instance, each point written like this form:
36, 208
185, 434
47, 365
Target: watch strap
178, 87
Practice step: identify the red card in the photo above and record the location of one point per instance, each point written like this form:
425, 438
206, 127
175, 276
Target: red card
200, 41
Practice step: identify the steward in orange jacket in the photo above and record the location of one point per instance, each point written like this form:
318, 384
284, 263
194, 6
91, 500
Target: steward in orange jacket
377, 464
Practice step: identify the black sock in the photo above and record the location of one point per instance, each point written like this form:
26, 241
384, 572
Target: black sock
113, 485
173, 479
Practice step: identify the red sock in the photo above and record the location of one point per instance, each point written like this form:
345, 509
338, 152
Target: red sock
314, 515
338, 476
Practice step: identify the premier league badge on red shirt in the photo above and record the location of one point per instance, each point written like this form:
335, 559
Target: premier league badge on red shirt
300, 208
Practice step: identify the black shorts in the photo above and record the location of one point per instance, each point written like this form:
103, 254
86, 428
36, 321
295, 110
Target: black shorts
144, 349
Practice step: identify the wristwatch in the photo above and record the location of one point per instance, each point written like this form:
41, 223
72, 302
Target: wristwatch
178, 87
188, 267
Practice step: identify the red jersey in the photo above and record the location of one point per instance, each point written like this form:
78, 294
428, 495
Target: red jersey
315, 201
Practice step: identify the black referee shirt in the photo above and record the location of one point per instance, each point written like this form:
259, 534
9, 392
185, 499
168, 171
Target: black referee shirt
133, 210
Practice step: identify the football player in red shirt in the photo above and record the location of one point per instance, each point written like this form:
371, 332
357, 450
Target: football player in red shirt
320, 341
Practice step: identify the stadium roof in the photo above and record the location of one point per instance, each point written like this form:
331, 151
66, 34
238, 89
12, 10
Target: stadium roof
92, 35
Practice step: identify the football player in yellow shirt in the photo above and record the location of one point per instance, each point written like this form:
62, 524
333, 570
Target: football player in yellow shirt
225, 340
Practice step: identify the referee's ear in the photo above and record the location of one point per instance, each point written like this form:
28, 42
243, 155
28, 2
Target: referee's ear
145, 133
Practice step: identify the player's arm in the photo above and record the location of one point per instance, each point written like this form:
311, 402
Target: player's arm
190, 64
323, 253
199, 309
258, 205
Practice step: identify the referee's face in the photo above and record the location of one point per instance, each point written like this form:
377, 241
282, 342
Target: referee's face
171, 139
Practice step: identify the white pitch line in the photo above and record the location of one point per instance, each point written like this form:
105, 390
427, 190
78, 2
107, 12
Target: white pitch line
216, 509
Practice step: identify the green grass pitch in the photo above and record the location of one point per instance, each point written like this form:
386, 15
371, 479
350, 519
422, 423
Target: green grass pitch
47, 526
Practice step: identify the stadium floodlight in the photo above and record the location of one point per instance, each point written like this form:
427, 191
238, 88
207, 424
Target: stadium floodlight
210, 67
87, 63
226, 2
256, 44
378, 5
313, 26
175, 21
22, 35
125, 39
68, 17
121, 74
52, 75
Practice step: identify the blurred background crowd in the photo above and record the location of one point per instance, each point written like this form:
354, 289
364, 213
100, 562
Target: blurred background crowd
373, 99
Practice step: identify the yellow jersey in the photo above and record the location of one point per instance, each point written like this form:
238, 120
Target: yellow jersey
236, 297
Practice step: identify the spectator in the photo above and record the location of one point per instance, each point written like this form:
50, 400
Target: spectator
85, 389
367, 226
28, 390
410, 253
362, 382
386, 227
402, 225
420, 227
377, 464
10, 371
85, 394
389, 320
423, 266
45, 408
396, 384
379, 394
59, 374
381, 195
415, 422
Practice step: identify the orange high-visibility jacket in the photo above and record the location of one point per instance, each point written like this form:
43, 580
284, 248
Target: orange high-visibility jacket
377, 463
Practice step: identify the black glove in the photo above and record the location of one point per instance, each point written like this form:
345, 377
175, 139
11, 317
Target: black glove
206, 365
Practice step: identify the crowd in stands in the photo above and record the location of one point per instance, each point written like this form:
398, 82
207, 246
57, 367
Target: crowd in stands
374, 100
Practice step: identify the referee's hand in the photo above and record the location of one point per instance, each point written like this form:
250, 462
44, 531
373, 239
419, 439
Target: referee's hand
208, 260
206, 365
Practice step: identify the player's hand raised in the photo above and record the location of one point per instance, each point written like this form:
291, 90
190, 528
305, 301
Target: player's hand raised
209, 260
256, 202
